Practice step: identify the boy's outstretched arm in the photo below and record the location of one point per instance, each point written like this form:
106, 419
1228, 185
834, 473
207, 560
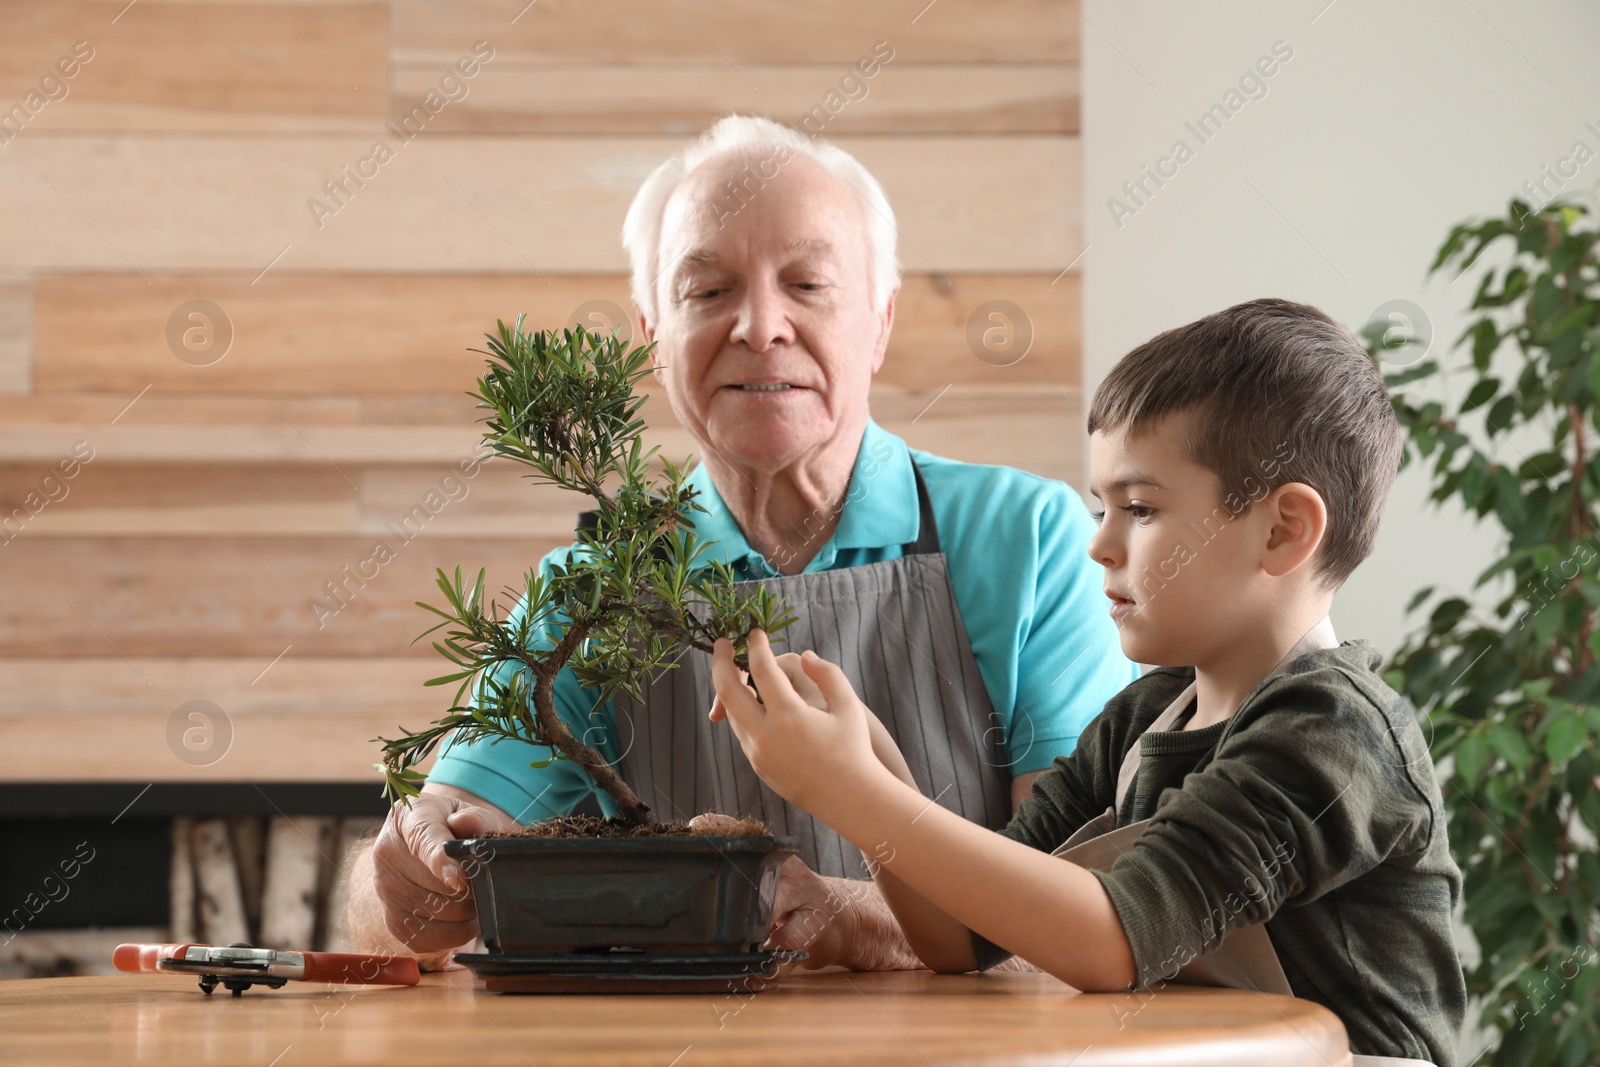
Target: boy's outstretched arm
1052, 912
934, 938
940, 942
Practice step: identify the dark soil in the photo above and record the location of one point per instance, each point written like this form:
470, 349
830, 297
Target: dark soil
592, 826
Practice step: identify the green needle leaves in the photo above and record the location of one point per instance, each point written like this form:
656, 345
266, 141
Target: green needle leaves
631, 596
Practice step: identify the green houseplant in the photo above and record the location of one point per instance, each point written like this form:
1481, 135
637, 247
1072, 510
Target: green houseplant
635, 592
1512, 695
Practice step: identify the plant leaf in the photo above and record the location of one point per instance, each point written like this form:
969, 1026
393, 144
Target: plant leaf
1566, 738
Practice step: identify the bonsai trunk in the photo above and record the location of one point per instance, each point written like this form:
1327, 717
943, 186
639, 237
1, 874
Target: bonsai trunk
551, 726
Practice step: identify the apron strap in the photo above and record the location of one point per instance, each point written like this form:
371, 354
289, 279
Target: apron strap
1131, 759
1318, 637
927, 542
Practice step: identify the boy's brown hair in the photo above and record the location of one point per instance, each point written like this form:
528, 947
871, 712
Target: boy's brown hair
1272, 392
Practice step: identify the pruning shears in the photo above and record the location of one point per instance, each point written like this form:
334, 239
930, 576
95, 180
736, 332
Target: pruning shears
238, 967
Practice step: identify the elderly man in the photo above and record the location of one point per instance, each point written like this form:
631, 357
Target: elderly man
959, 598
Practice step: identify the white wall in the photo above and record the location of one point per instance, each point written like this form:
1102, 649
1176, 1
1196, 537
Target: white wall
1390, 123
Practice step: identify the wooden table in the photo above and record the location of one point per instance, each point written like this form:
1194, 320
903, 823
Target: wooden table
832, 1017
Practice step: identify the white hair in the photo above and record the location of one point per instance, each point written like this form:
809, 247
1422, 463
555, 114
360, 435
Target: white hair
641, 229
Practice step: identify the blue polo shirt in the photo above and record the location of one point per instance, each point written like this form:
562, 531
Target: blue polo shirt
1030, 597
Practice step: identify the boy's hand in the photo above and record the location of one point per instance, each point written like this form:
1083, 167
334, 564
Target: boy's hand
804, 749
804, 687
883, 745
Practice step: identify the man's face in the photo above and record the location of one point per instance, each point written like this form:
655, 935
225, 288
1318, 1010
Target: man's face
1179, 570
767, 340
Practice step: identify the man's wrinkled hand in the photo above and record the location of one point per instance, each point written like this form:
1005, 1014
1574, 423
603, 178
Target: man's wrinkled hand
812, 914
426, 897
807, 913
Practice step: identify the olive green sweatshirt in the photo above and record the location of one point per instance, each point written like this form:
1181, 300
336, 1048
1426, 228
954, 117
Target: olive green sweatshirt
1314, 809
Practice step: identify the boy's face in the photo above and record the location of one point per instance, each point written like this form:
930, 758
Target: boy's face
1179, 571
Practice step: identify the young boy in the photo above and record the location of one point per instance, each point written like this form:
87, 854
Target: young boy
1271, 791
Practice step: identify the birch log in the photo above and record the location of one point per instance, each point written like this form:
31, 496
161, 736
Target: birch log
249, 834
295, 847
180, 890
222, 920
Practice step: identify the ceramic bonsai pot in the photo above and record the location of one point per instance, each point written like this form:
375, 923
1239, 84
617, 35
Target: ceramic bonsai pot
666, 895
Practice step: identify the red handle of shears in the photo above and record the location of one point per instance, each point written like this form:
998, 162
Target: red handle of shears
361, 968
354, 967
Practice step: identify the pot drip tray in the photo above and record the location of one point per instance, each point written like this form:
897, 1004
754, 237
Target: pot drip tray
628, 972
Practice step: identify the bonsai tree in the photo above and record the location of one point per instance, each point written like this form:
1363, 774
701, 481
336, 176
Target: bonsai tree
632, 595
1512, 697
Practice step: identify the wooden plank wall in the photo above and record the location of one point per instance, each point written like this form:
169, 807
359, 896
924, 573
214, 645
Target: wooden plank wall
170, 527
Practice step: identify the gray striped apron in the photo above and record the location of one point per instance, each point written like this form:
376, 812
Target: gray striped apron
895, 630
